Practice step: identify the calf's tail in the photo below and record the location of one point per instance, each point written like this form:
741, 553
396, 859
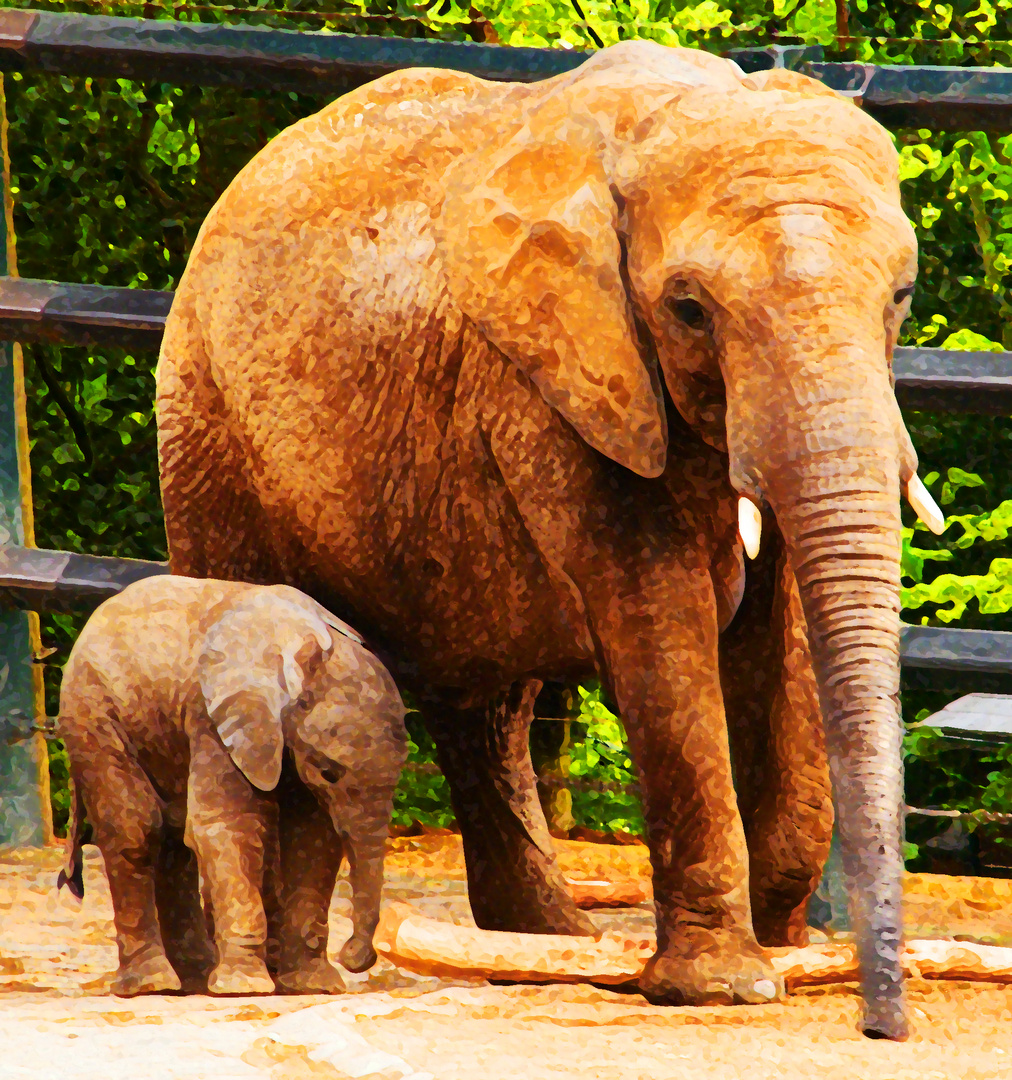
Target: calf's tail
72, 874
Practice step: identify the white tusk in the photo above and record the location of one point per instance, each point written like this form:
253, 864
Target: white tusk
750, 525
927, 509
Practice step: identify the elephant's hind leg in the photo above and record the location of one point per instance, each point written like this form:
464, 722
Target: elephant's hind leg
126, 817
781, 773
185, 925
513, 879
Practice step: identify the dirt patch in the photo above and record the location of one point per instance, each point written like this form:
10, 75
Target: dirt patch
56, 956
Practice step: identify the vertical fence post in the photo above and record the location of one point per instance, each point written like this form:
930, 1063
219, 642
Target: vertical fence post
842, 23
25, 815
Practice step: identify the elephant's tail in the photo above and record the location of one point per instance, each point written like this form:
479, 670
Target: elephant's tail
72, 874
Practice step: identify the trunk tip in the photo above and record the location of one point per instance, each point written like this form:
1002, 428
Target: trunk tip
886, 1020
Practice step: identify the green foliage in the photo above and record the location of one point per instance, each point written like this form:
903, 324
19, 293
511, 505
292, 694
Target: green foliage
422, 795
59, 784
601, 754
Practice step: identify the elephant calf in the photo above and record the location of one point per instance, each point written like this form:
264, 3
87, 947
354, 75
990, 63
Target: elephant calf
249, 726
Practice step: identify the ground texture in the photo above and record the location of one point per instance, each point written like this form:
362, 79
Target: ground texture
58, 1020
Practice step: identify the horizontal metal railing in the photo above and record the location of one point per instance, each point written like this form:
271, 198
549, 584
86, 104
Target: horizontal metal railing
42, 580
313, 62
49, 311
217, 54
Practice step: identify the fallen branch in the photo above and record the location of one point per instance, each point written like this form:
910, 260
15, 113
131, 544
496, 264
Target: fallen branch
429, 947
592, 894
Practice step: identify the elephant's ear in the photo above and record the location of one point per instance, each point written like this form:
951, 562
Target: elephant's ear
255, 662
534, 259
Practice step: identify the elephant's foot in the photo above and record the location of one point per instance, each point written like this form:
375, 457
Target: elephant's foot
529, 907
151, 974
357, 954
712, 967
315, 976
240, 973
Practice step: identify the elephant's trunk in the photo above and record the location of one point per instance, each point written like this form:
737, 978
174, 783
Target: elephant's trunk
830, 465
844, 547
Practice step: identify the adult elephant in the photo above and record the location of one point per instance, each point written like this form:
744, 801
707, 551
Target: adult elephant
486, 367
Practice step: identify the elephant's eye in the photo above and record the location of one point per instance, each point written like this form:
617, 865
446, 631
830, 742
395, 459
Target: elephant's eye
689, 311
901, 294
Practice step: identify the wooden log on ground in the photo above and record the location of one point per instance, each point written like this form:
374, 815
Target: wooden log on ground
597, 894
921, 958
429, 947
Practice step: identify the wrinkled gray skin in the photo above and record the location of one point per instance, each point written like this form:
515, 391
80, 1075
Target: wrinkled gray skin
249, 726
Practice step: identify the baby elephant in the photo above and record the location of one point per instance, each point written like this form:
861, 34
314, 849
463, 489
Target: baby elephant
247, 725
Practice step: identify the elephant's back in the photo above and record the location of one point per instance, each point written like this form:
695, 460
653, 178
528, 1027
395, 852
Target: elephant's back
386, 143
137, 651
321, 247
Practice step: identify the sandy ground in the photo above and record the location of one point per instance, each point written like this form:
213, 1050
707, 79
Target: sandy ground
57, 1020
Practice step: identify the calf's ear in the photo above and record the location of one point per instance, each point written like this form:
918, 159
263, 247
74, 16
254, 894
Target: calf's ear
255, 662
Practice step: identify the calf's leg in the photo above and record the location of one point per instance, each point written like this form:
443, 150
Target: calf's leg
186, 929
126, 816
310, 860
232, 829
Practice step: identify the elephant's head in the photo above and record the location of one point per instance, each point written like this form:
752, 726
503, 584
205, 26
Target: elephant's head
661, 216
257, 659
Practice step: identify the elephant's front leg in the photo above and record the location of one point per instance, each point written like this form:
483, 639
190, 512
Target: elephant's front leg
310, 860
231, 828
513, 880
658, 632
777, 740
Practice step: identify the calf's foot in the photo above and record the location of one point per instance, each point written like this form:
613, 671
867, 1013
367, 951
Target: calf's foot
149, 973
712, 967
315, 976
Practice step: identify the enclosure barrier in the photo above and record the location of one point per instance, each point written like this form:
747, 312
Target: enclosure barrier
941, 98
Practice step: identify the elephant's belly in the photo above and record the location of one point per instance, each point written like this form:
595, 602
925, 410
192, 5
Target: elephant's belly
163, 752
479, 614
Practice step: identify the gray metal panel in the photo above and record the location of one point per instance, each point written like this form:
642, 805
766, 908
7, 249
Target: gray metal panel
213, 53
981, 714
43, 580
956, 650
